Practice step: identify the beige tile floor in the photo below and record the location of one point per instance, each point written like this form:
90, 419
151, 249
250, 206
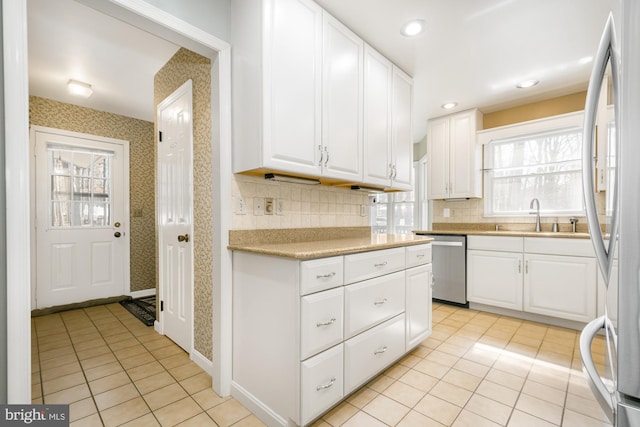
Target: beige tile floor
477, 369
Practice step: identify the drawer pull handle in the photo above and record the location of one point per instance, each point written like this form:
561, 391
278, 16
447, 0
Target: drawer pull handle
326, 276
381, 350
382, 301
382, 264
330, 322
327, 385
420, 256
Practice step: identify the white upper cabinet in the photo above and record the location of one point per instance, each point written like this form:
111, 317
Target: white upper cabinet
378, 74
454, 159
309, 99
343, 76
387, 123
277, 85
401, 143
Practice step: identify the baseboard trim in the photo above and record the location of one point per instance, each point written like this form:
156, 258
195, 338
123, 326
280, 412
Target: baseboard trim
200, 360
265, 414
143, 293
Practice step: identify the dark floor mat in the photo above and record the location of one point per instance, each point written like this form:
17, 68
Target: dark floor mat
143, 308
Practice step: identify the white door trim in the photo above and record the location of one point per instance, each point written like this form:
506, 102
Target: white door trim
16, 122
158, 22
126, 287
16, 84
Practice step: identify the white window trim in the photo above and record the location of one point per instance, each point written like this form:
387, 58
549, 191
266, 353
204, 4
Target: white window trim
532, 127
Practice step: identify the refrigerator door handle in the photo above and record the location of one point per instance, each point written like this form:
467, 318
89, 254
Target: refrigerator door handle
605, 398
606, 53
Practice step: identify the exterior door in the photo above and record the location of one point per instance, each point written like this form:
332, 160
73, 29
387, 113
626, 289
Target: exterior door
175, 215
82, 231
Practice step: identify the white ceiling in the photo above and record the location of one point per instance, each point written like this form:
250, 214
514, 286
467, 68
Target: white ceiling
68, 40
473, 51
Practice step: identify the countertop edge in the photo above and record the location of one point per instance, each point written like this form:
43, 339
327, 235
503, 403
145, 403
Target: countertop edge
334, 247
507, 233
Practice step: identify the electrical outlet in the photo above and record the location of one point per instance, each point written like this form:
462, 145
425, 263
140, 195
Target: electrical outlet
446, 212
241, 206
258, 206
363, 210
268, 206
279, 207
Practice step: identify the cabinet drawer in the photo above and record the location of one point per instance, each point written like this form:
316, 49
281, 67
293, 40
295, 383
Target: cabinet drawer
495, 243
320, 274
370, 352
418, 255
322, 383
358, 267
557, 246
321, 321
373, 301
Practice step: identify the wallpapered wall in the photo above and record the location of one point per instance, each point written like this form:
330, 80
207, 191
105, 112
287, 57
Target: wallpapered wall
185, 65
139, 133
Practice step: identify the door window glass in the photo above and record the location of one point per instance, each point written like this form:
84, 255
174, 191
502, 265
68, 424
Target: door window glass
80, 187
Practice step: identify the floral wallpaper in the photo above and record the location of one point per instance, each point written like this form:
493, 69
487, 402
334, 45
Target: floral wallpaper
185, 65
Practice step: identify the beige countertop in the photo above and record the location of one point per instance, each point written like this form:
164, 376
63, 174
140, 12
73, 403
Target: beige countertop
330, 247
511, 233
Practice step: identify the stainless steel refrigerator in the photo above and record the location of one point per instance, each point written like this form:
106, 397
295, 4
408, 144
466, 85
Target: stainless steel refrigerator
619, 394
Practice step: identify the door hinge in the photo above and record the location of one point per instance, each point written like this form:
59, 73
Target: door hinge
161, 305
160, 135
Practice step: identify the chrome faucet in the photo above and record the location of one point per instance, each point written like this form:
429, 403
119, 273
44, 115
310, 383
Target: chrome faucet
537, 212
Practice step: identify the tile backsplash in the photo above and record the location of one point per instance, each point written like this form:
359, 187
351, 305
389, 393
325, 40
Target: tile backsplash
304, 206
472, 211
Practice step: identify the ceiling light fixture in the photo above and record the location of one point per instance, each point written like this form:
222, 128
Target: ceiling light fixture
449, 105
291, 179
78, 88
527, 83
412, 28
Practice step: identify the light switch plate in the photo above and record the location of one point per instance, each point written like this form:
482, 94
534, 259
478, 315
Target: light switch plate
258, 206
241, 206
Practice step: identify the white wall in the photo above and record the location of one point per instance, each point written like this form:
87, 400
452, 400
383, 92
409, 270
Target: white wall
211, 16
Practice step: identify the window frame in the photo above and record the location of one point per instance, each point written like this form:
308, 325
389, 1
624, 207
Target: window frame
531, 128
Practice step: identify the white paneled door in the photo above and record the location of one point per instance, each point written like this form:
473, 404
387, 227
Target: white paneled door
175, 215
82, 232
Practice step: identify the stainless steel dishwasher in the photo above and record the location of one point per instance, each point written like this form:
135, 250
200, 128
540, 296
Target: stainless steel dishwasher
449, 269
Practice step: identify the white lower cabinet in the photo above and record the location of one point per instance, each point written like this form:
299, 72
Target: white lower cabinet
560, 286
322, 382
495, 278
418, 296
548, 276
370, 352
308, 333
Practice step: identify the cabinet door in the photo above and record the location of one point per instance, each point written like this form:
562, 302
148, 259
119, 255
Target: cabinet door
418, 304
292, 85
464, 164
342, 101
560, 286
401, 136
438, 158
495, 278
377, 118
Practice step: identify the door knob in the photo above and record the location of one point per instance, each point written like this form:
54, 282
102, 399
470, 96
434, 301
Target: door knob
183, 238
117, 234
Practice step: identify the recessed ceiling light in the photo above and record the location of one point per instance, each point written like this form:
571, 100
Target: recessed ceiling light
412, 28
78, 88
527, 83
449, 105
